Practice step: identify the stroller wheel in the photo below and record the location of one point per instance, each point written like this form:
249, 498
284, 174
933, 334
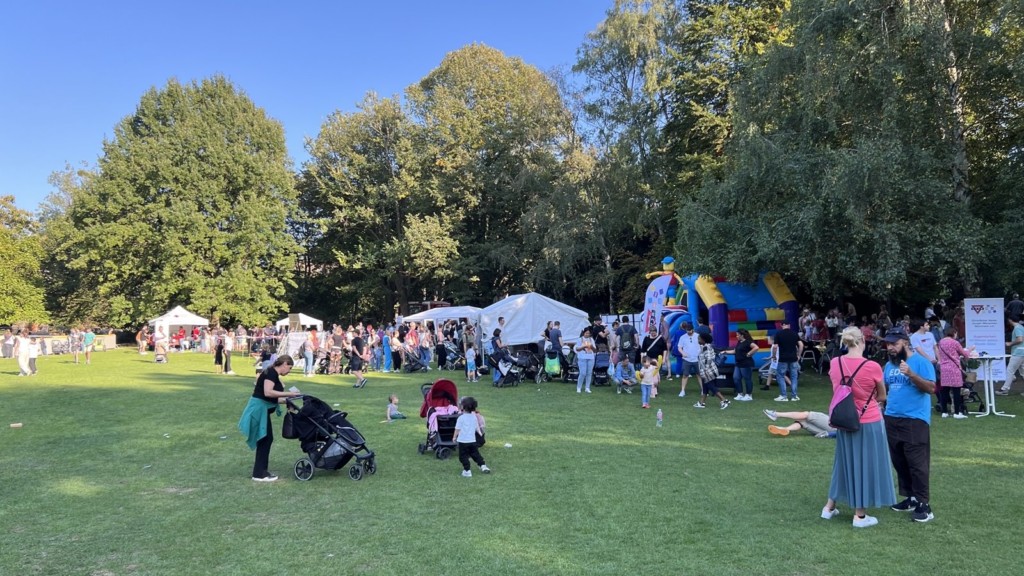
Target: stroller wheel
443, 453
304, 469
355, 472
539, 378
370, 466
422, 448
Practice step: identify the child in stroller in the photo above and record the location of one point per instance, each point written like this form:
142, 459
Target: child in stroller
328, 439
510, 369
440, 408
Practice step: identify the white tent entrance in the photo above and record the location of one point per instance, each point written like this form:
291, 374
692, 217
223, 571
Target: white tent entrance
526, 316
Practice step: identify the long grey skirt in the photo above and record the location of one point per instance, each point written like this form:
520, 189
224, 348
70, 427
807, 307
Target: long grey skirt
862, 472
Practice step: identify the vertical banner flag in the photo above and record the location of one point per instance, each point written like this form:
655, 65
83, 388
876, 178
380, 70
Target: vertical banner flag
985, 327
654, 303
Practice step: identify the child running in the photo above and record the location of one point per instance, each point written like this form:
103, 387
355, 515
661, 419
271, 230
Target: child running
466, 429
708, 373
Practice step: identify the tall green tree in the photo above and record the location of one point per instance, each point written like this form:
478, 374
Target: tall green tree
381, 232
188, 206
847, 168
21, 299
493, 129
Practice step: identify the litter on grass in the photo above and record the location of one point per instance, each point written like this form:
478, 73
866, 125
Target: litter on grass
16, 425
223, 437
507, 445
167, 435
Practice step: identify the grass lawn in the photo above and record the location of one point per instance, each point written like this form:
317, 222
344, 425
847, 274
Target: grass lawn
128, 467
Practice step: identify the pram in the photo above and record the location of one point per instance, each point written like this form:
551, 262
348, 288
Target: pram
453, 359
160, 353
322, 362
440, 408
411, 361
602, 360
533, 367
511, 369
328, 439
572, 368
552, 363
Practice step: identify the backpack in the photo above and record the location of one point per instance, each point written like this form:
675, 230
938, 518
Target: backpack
843, 414
626, 338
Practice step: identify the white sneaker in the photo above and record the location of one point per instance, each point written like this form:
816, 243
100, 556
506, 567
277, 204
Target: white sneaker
960, 416
829, 514
485, 469
770, 414
682, 394
467, 474
794, 399
230, 373
864, 522
944, 415
270, 478
781, 399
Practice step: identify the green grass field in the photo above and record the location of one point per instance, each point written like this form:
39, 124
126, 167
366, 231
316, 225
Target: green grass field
128, 467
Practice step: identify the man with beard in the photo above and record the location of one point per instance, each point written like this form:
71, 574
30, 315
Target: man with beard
910, 380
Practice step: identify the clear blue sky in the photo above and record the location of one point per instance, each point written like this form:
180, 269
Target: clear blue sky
72, 70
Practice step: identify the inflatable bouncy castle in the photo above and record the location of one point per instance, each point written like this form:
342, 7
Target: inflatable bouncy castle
728, 306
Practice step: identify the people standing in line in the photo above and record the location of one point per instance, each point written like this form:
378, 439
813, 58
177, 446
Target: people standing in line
861, 476
1016, 362
910, 381
788, 373
467, 429
951, 374
255, 422
743, 373
585, 349
88, 343
689, 349
708, 366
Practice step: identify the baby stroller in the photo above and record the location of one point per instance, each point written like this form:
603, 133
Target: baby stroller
531, 365
602, 360
440, 408
322, 362
572, 368
453, 360
160, 353
552, 363
328, 439
411, 361
510, 368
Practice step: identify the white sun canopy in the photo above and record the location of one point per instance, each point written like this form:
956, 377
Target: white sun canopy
526, 316
305, 321
446, 313
178, 316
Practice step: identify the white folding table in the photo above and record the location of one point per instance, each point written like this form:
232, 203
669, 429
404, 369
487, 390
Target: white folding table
990, 385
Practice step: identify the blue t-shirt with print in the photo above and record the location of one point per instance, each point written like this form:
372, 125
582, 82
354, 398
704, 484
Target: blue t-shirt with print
904, 399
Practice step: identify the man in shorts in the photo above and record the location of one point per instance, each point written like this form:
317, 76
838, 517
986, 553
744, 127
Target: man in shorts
816, 423
689, 350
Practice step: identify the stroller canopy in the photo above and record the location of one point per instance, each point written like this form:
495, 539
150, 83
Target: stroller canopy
441, 393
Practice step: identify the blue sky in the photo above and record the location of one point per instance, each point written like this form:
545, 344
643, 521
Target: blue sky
72, 70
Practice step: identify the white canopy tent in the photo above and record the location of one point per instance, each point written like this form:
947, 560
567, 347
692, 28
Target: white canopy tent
446, 313
305, 321
178, 316
526, 316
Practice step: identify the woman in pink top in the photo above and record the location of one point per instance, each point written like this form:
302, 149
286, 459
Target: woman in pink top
862, 471
950, 376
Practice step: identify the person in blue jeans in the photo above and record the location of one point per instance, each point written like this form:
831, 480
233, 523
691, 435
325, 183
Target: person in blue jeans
790, 349
742, 375
585, 349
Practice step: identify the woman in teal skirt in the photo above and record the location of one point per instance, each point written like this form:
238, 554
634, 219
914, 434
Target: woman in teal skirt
862, 471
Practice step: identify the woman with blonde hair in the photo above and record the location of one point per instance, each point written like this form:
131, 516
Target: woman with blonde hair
862, 470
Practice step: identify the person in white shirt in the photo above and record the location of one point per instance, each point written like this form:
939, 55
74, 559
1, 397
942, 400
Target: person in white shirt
689, 350
467, 427
923, 342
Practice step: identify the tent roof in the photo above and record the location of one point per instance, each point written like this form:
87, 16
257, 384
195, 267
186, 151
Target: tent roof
303, 320
178, 316
526, 316
445, 313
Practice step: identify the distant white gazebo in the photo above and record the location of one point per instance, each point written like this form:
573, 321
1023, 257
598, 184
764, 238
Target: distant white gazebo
178, 316
304, 320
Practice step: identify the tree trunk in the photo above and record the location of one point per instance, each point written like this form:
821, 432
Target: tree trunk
958, 122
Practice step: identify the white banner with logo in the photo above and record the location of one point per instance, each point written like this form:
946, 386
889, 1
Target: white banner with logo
986, 331
654, 303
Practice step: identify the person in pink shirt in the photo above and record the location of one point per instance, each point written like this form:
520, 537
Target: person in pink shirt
862, 469
951, 376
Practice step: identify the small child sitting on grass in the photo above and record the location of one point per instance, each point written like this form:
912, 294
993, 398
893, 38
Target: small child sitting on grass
393, 413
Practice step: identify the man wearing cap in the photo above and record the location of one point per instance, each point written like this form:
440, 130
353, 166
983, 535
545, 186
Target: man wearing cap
910, 380
689, 350
1015, 308
790, 349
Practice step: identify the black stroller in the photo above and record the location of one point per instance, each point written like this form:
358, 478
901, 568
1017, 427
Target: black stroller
511, 369
440, 408
328, 439
411, 361
322, 361
602, 360
453, 359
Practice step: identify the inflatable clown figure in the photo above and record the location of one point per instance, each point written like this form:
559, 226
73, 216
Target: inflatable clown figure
673, 292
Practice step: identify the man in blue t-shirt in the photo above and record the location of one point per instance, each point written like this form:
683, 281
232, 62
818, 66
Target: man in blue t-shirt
910, 381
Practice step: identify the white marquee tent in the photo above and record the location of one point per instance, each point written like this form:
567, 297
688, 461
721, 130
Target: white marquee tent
305, 321
446, 313
526, 316
178, 316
